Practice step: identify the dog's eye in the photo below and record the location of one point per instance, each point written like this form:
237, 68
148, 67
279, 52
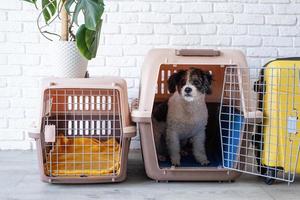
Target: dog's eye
196, 82
182, 82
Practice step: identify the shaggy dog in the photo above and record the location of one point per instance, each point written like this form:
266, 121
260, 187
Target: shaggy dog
186, 116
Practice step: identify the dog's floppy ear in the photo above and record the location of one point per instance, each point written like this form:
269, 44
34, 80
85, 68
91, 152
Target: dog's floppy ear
172, 83
207, 81
160, 112
173, 80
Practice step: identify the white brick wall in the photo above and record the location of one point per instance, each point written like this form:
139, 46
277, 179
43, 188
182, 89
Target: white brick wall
263, 29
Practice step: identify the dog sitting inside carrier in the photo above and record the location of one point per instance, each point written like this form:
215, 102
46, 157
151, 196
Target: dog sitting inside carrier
183, 118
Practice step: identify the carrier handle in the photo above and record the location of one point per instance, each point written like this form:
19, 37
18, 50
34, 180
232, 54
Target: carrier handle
129, 131
135, 104
197, 52
34, 134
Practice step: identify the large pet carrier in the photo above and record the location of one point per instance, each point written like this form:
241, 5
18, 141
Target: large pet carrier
272, 142
158, 67
85, 130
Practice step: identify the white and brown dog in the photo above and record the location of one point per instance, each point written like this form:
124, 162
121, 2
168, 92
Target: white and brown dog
187, 115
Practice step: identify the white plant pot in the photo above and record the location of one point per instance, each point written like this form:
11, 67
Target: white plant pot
67, 60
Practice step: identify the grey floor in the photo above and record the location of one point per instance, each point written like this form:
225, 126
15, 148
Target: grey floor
19, 179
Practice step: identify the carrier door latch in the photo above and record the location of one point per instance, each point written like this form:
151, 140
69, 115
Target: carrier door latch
292, 122
50, 133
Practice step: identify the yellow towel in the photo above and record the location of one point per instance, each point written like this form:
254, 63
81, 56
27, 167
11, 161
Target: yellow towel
82, 156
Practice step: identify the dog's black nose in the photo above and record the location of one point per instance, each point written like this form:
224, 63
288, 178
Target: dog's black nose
188, 90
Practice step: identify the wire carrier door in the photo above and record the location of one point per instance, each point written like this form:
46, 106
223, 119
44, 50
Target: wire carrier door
82, 130
259, 121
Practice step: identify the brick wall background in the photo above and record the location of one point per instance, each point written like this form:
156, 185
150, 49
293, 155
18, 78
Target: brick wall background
263, 29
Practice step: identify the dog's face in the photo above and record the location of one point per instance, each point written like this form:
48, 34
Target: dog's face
190, 84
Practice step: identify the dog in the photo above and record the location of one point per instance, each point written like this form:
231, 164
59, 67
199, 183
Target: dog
187, 113
159, 125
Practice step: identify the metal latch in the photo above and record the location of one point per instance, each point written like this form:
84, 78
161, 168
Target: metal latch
49, 133
292, 122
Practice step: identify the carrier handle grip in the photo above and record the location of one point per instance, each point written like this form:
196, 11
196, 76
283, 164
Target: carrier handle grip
197, 52
129, 131
34, 134
135, 104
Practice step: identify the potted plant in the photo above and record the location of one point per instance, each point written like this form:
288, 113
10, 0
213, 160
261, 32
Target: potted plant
73, 50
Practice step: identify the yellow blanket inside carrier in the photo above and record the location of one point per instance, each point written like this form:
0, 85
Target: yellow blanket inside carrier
83, 156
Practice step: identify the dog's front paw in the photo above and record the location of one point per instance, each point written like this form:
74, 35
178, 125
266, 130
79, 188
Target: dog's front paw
204, 162
202, 159
175, 160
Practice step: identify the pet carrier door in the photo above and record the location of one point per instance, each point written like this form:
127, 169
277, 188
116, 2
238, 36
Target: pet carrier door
259, 121
82, 132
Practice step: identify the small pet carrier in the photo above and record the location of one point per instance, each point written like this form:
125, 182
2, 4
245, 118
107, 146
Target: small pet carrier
85, 130
271, 142
158, 66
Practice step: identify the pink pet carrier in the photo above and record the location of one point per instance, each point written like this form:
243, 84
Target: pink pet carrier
85, 130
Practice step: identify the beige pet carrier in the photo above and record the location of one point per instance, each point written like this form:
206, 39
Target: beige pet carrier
85, 130
158, 66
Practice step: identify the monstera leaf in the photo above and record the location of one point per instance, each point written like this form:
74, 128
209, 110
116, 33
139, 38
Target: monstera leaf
32, 1
91, 9
88, 34
87, 41
49, 9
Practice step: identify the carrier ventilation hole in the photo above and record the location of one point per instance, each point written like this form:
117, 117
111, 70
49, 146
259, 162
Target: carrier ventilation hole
103, 103
98, 103
98, 127
169, 73
162, 88
80, 102
70, 127
92, 103
80, 127
92, 128
86, 100
109, 102
87, 127
103, 127
69, 103
75, 102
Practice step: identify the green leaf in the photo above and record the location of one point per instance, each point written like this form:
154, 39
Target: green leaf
88, 34
91, 9
81, 44
93, 40
88, 41
49, 9
32, 1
